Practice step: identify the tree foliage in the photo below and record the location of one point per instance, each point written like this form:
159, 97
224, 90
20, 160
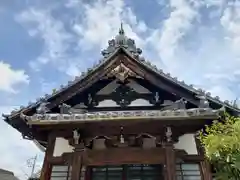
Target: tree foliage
221, 142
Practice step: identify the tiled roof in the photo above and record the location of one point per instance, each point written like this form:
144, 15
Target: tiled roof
128, 45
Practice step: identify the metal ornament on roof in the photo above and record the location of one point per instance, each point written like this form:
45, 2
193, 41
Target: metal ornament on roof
121, 40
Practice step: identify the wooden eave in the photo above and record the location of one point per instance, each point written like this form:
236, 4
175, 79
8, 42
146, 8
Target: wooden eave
46, 122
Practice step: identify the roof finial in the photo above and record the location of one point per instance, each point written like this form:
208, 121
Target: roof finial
121, 30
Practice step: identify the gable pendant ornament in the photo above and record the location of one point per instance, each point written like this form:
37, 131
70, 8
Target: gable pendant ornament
123, 95
122, 72
156, 100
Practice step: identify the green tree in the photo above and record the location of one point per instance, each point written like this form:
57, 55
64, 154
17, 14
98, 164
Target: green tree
221, 142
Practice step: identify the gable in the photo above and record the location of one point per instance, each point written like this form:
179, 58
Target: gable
122, 70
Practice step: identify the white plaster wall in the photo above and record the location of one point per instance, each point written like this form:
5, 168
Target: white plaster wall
111, 103
113, 85
107, 103
187, 142
140, 102
61, 146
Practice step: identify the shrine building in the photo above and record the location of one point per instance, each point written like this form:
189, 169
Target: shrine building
122, 119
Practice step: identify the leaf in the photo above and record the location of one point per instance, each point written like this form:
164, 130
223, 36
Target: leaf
220, 141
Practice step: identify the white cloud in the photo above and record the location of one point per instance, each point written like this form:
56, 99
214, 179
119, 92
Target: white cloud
41, 24
11, 77
95, 23
231, 23
214, 66
167, 39
14, 150
101, 21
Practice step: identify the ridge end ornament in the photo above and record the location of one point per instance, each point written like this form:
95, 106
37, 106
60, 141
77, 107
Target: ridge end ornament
203, 101
42, 108
65, 108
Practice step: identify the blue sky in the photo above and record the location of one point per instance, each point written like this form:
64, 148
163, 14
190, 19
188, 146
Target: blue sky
43, 44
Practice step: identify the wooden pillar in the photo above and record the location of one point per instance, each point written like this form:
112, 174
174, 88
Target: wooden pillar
170, 159
78, 156
170, 162
204, 165
206, 170
47, 168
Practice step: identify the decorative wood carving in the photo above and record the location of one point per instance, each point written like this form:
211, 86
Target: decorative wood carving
179, 104
76, 137
109, 141
169, 134
121, 72
156, 100
67, 109
123, 95
64, 108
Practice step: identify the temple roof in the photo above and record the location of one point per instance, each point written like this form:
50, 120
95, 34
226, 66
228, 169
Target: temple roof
121, 44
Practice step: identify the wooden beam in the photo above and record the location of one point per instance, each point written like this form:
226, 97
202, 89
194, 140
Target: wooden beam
129, 155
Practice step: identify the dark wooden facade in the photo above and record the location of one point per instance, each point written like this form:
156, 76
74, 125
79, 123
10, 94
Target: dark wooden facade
174, 109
